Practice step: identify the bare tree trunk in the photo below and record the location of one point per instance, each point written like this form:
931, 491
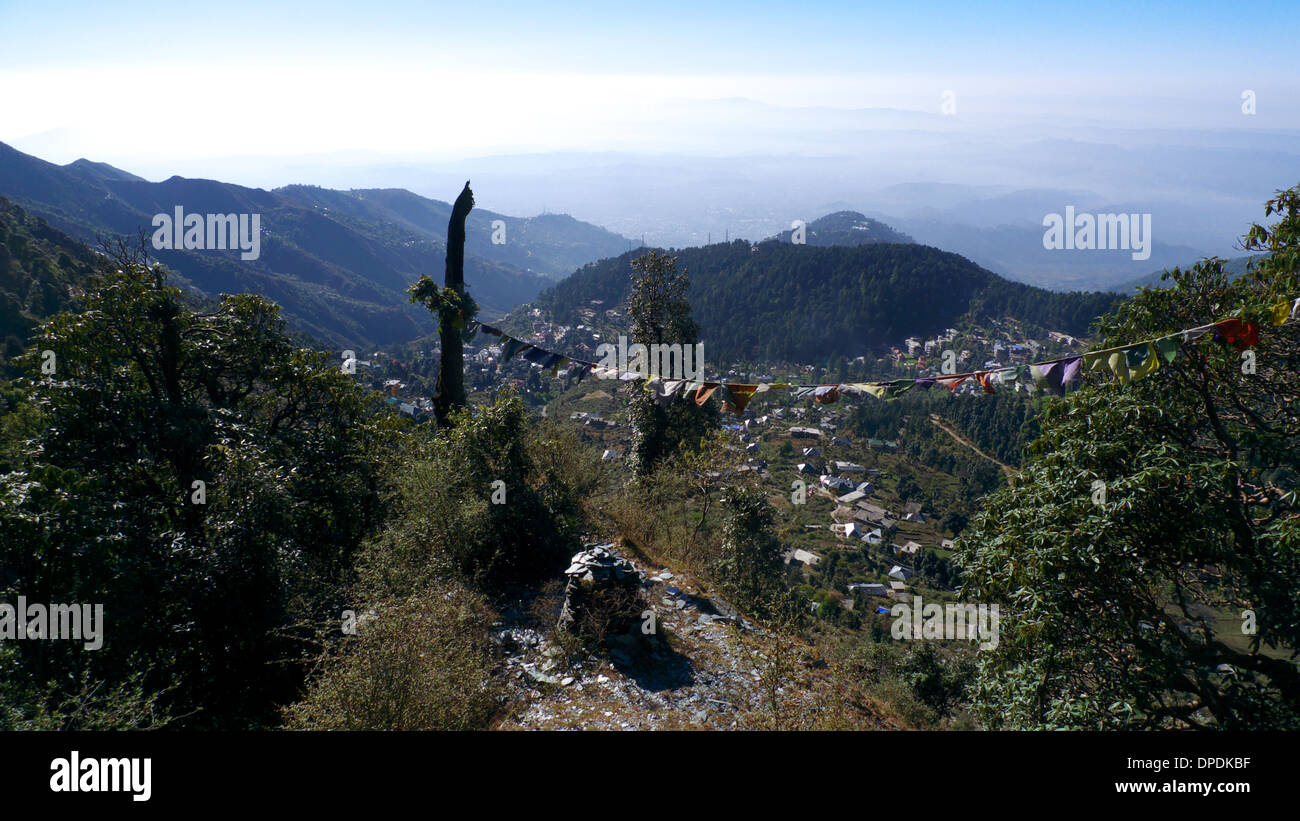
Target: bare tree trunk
451, 371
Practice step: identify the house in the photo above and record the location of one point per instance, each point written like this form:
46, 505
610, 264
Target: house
862, 516
751, 448
882, 444
851, 498
836, 483
849, 467
844, 515
874, 537
913, 512
803, 432
901, 573
851, 530
839, 441
875, 512
870, 589
946, 544
610, 455
812, 452
908, 548
807, 467
804, 557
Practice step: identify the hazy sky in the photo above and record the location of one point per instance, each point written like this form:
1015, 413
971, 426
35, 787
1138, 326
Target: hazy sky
157, 87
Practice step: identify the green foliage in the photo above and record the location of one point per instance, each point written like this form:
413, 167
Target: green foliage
776, 301
422, 663
749, 567
452, 308
661, 314
98, 503
446, 524
1128, 611
40, 271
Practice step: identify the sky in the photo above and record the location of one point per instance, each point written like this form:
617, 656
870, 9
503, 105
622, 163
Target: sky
158, 86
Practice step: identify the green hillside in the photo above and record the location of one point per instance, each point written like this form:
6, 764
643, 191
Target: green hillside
777, 301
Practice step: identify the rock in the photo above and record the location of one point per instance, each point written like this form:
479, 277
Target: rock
566, 681
542, 677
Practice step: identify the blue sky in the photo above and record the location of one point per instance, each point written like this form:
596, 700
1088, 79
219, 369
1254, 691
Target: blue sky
149, 85
1178, 38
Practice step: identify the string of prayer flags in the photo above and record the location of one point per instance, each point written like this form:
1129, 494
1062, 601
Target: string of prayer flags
578, 370
1193, 334
1127, 363
1283, 311
1142, 359
827, 394
1167, 347
512, 347
736, 397
1239, 333
703, 393
540, 357
885, 391
1054, 376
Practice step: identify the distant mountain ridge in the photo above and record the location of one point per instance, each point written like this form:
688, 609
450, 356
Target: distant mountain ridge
776, 301
337, 262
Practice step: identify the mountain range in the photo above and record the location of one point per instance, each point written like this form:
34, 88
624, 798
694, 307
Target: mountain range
337, 262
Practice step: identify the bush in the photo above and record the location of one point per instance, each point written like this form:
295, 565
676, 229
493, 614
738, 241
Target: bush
424, 663
454, 523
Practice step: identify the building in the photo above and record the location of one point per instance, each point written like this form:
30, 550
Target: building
870, 589
900, 573
851, 530
804, 557
908, 548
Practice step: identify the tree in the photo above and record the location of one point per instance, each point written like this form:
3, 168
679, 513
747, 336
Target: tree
749, 568
1148, 558
199, 476
660, 314
454, 309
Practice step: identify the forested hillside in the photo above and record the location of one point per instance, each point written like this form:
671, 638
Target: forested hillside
39, 268
778, 301
337, 262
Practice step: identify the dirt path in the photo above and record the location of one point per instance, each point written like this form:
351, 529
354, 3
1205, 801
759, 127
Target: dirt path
1009, 471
